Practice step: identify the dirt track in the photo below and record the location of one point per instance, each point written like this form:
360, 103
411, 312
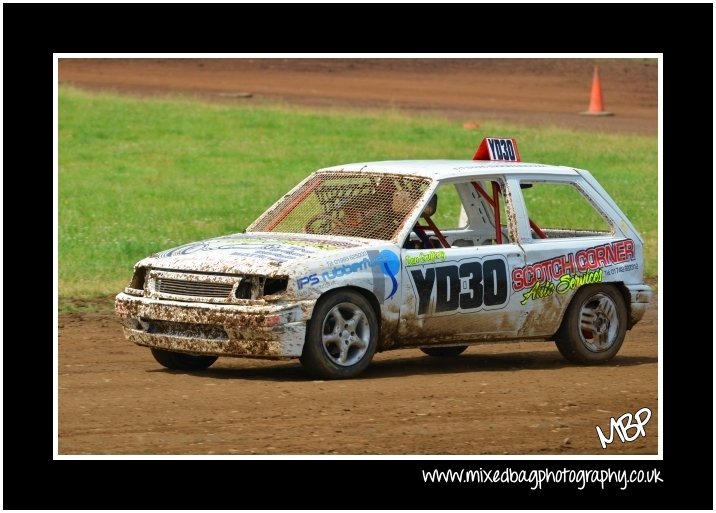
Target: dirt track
527, 91
494, 399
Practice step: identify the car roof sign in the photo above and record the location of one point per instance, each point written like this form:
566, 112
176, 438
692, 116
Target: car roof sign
493, 148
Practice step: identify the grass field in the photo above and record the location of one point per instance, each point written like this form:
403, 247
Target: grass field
140, 175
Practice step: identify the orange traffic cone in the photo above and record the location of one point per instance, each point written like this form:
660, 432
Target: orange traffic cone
596, 104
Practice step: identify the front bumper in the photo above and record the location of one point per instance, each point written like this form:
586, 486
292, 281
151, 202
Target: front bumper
265, 330
640, 298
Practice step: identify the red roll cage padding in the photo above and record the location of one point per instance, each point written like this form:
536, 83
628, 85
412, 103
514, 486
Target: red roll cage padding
420, 232
436, 231
495, 204
539, 232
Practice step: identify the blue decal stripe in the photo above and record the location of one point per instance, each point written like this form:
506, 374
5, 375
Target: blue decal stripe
392, 279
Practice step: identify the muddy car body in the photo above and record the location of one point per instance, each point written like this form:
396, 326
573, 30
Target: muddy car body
357, 259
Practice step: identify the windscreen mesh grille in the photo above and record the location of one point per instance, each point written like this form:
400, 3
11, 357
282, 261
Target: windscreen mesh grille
372, 206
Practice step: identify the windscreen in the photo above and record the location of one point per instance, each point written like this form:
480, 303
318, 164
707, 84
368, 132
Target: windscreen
368, 205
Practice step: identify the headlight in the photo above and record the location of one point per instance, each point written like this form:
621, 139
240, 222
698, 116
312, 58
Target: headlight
256, 287
275, 285
140, 276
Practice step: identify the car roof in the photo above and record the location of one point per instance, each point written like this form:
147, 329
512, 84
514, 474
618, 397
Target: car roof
447, 169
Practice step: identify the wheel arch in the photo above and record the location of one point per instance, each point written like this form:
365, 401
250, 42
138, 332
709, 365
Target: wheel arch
627, 301
367, 294
618, 285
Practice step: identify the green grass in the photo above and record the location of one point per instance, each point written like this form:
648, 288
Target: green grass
140, 175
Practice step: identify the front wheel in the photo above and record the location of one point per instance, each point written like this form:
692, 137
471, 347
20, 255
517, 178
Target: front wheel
182, 361
342, 336
443, 352
594, 326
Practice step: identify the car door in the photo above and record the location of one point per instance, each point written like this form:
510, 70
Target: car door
460, 289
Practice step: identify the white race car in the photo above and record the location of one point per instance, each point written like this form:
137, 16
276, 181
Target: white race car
368, 257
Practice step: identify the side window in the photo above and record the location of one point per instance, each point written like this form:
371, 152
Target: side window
560, 210
449, 207
440, 223
488, 195
462, 214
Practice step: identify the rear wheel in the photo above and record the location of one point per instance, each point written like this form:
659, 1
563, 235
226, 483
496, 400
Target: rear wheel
594, 326
342, 336
444, 351
182, 361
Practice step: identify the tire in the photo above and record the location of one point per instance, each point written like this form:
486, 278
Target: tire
443, 352
181, 361
594, 325
342, 336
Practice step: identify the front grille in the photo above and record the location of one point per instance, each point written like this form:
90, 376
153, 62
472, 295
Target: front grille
185, 329
192, 288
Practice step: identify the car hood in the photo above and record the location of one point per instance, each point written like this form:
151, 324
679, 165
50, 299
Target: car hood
250, 253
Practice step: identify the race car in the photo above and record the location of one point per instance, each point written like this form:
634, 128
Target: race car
432, 254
